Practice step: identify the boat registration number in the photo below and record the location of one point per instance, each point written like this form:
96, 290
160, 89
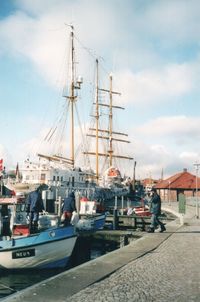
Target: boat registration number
23, 254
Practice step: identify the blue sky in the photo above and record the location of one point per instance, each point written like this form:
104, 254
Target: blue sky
150, 46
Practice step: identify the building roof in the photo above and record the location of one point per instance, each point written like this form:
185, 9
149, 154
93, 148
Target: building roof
182, 180
149, 181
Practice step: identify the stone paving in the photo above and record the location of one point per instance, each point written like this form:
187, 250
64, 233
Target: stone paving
169, 273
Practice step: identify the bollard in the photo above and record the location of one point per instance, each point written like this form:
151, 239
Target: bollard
181, 207
115, 219
182, 219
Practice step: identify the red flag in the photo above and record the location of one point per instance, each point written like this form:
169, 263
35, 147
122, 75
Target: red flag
1, 164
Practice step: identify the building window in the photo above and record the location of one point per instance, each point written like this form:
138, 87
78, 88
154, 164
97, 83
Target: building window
57, 178
61, 178
54, 178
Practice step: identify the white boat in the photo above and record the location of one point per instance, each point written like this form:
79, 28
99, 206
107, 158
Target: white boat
50, 247
91, 222
90, 219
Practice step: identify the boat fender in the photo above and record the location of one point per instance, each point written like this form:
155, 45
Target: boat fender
75, 218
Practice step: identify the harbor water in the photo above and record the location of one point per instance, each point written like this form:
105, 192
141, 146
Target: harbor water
13, 281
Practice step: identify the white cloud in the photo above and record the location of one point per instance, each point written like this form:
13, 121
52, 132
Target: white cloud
40, 35
153, 160
190, 156
43, 37
172, 126
172, 21
156, 85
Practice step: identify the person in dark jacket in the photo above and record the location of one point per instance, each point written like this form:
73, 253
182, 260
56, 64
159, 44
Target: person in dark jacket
69, 205
155, 209
34, 205
5, 216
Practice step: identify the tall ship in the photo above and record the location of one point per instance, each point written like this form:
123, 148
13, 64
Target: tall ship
61, 173
57, 170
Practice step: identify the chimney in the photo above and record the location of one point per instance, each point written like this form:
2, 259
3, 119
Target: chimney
185, 170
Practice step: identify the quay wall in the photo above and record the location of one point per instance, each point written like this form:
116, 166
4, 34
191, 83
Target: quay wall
68, 283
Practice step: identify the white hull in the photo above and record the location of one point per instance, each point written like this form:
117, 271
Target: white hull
92, 222
51, 249
46, 256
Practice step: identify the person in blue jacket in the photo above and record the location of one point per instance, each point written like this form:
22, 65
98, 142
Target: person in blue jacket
69, 205
155, 209
34, 205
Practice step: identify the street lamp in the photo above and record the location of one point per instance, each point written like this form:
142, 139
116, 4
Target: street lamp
169, 193
197, 205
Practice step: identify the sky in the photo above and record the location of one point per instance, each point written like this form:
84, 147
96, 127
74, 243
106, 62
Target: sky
152, 50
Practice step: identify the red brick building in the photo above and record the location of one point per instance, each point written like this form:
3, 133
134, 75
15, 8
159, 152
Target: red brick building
183, 182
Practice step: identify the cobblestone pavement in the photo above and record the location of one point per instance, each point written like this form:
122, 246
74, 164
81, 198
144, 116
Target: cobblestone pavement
169, 273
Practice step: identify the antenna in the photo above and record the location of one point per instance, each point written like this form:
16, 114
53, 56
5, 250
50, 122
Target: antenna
70, 25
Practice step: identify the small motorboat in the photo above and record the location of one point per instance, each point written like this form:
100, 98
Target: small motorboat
142, 211
49, 247
91, 216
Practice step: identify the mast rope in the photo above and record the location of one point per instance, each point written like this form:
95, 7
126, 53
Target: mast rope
62, 132
92, 53
82, 135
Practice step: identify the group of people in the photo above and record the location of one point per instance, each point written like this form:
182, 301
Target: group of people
35, 205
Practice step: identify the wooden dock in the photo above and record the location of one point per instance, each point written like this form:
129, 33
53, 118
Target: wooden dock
133, 221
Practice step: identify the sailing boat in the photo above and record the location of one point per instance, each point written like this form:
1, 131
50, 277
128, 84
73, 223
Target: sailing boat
68, 177
71, 178
57, 170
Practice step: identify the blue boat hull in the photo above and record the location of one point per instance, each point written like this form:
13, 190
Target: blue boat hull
91, 222
50, 248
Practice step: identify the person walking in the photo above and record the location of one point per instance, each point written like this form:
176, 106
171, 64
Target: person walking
34, 205
68, 207
155, 209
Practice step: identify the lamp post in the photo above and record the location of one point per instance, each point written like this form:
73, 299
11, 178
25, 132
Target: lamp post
169, 193
134, 165
197, 205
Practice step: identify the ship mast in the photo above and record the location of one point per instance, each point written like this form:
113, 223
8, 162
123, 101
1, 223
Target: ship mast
72, 98
110, 152
97, 120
